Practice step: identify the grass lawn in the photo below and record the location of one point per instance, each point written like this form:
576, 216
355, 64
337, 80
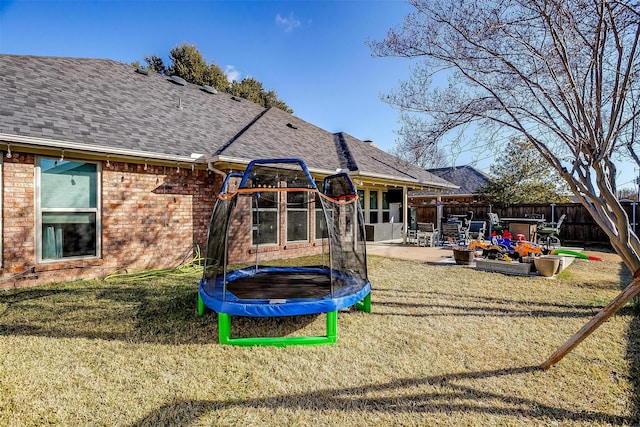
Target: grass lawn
444, 345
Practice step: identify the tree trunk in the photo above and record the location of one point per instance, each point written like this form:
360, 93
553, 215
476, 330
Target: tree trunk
618, 302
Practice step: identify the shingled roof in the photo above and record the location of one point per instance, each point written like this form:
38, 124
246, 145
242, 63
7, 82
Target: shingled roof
468, 178
103, 106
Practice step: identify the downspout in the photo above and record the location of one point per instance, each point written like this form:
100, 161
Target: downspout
216, 171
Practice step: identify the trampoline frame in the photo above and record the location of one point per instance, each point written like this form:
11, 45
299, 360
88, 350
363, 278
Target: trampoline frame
330, 337
360, 300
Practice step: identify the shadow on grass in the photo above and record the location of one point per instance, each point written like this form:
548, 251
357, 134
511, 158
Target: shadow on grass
401, 395
162, 312
480, 306
633, 348
633, 355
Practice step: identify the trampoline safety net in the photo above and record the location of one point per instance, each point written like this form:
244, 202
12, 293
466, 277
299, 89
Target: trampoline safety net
272, 214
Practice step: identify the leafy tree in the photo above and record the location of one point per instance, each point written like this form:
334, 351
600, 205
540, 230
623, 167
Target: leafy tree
560, 74
521, 175
217, 78
187, 62
155, 64
251, 89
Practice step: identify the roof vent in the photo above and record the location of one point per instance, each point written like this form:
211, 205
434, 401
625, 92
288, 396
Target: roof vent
177, 80
143, 71
289, 125
208, 89
235, 98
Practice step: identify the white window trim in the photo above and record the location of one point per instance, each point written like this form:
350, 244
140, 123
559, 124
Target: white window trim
304, 209
38, 217
275, 209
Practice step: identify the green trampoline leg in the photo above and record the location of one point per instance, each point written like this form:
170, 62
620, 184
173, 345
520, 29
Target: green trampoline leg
364, 304
332, 326
224, 334
224, 328
201, 306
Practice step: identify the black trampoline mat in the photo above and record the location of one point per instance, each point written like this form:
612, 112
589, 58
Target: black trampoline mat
282, 286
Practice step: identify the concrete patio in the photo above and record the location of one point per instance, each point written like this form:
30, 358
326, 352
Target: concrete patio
396, 249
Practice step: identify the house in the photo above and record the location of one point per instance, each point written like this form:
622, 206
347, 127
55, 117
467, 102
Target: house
467, 178
427, 205
109, 167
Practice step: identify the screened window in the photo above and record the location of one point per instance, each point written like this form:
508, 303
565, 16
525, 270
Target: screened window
68, 223
297, 216
265, 218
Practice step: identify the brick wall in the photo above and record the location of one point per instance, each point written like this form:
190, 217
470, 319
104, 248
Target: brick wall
239, 239
18, 215
150, 219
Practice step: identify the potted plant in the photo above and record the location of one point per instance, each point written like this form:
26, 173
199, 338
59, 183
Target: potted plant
463, 256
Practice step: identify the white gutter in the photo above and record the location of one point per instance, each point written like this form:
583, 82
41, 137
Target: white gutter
413, 182
245, 162
352, 174
94, 149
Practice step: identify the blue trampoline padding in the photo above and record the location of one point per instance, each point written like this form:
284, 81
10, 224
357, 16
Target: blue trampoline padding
353, 291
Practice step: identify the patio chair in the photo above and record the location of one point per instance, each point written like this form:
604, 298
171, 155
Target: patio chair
427, 234
477, 230
494, 223
412, 233
451, 232
549, 235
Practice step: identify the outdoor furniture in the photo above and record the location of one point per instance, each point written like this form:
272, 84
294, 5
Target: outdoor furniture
452, 232
494, 223
412, 233
427, 234
534, 215
549, 234
477, 230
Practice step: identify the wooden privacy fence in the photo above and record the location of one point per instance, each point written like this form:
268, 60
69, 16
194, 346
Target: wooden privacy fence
578, 228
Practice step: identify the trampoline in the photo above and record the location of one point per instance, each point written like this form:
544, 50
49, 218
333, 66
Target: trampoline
257, 233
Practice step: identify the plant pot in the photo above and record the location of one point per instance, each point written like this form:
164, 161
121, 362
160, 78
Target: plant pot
547, 267
463, 256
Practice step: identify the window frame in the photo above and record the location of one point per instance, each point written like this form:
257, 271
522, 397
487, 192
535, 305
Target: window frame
257, 209
304, 208
386, 211
39, 210
374, 208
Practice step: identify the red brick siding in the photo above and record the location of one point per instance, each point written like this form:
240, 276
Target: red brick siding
18, 218
239, 240
150, 219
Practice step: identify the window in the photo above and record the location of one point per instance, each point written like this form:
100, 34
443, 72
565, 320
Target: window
321, 221
68, 209
361, 199
385, 207
297, 216
373, 207
265, 218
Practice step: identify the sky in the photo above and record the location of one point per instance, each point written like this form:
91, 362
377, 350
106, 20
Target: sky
312, 53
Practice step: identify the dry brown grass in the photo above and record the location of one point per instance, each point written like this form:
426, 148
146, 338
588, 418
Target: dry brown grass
445, 345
